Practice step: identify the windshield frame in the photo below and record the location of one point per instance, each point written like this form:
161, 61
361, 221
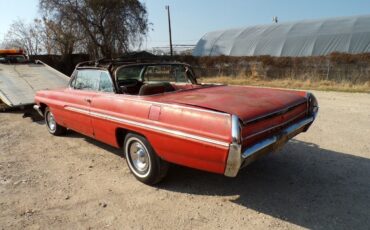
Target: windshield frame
189, 73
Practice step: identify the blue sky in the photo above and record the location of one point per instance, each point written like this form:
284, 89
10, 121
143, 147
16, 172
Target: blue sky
191, 19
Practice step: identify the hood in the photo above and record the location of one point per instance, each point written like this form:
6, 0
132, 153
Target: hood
247, 103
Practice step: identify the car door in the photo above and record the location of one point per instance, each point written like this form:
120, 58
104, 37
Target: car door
103, 103
84, 86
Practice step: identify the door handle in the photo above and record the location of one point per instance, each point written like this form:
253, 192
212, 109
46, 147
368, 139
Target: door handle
88, 100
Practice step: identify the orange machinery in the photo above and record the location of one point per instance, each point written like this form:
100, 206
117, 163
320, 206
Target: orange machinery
12, 52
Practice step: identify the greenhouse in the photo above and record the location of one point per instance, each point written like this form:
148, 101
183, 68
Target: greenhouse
300, 38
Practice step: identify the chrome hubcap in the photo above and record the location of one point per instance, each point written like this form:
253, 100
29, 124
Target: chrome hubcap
51, 122
139, 157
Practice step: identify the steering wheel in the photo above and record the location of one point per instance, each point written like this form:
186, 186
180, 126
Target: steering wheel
130, 86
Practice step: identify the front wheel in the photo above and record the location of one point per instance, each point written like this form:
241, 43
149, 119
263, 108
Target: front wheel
142, 160
52, 125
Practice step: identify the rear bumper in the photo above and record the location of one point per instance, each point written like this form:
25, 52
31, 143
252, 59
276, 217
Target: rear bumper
239, 158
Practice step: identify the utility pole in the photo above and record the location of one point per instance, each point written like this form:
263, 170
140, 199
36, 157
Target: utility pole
169, 28
275, 19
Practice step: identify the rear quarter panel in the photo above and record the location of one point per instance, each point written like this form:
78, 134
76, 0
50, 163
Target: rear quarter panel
164, 125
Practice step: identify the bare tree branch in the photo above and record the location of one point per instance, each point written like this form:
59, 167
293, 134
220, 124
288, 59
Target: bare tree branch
107, 28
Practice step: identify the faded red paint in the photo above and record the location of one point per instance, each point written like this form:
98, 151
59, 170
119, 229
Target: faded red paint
188, 111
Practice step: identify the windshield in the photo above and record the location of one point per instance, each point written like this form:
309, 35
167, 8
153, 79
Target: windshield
166, 73
129, 73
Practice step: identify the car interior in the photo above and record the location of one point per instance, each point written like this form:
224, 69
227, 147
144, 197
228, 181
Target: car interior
152, 79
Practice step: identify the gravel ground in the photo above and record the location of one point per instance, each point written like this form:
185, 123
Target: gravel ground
319, 180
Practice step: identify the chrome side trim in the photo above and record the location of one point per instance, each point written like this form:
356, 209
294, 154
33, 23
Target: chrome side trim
274, 139
74, 109
173, 105
171, 132
234, 159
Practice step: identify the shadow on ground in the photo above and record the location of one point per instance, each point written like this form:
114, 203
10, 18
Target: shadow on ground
303, 184
108, 148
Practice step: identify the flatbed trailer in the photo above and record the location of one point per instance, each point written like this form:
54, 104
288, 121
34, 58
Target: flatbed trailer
19, 82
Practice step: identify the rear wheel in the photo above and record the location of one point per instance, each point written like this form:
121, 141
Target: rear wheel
53, 127
142, 160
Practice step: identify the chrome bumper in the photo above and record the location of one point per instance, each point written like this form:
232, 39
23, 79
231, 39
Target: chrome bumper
238, 158
37, 108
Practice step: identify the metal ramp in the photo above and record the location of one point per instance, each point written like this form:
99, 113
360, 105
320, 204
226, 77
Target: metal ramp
20, 82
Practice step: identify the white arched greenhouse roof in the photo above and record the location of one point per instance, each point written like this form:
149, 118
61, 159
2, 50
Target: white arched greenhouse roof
301, 38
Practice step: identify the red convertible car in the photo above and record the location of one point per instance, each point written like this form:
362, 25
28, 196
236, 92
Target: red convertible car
158, 114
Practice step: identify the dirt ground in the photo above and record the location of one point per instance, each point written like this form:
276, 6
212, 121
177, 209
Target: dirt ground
319, 180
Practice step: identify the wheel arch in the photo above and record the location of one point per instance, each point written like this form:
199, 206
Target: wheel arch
121, 134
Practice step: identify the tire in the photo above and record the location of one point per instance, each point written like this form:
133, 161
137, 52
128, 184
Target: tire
142, 160
53, 127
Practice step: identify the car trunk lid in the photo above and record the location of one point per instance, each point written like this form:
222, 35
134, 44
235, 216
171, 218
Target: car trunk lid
262, 111
248, 103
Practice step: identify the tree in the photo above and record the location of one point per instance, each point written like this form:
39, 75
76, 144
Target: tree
61, 36
25, 36
107, 28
